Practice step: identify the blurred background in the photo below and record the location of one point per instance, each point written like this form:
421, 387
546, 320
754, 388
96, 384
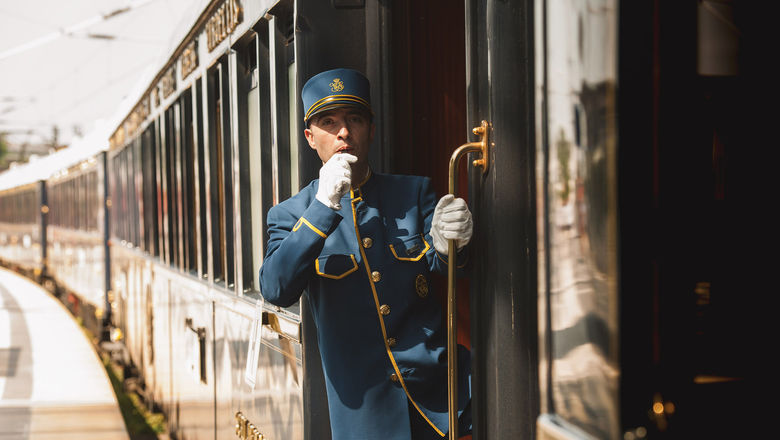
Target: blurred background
64, 66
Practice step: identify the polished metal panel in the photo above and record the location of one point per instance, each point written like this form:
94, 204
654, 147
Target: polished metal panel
576, 117
192, 354
275, 404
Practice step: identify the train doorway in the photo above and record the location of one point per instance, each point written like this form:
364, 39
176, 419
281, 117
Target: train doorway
448, 76
429, 106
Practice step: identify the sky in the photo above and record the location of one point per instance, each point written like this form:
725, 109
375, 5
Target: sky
68, 64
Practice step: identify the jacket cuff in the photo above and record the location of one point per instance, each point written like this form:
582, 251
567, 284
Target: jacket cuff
320, 219
461, 257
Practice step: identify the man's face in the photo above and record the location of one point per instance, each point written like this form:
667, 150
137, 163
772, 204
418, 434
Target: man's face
342, 130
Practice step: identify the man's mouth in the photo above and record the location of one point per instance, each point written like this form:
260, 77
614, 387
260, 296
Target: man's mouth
344, 149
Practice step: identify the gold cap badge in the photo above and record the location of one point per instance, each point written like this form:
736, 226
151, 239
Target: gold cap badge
336, 85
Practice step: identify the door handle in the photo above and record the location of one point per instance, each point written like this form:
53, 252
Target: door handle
201, 334
480, 146
271, 322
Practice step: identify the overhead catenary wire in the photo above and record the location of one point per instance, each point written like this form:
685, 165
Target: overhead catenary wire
71, 30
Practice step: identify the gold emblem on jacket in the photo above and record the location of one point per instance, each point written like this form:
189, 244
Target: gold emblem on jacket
421, 285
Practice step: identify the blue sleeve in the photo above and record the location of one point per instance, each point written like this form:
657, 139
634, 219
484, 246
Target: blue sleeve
293, 245
437, 262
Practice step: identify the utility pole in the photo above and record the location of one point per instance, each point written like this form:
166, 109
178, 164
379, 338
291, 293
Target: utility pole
55, 135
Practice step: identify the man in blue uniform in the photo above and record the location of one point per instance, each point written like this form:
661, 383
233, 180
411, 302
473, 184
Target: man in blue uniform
362, 245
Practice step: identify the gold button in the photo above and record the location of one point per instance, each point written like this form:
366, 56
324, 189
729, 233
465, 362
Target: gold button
421, 285
394, 377
391, 342
385, 309
376, 276
367, 242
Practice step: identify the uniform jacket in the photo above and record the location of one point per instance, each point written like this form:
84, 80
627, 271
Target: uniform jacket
366, 269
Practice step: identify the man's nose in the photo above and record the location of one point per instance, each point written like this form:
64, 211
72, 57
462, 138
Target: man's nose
343, 131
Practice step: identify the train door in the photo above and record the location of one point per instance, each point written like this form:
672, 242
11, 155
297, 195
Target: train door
454, 66
436, 72
499, 66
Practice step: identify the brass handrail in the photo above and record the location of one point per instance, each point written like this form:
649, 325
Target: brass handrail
452, 343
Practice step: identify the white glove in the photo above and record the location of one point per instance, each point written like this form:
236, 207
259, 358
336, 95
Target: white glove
451, 221
335, 180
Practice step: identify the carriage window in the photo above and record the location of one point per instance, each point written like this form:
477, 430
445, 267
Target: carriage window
201, 181
149, 178
130, 205
88, 212
177, 196
112, 196
126, 181
283, 102
172, 187
253, 133
78, 191
96, 205
119, 200
135, 209
73, 203
121, 203
577, 269
91, 220
281, 52
159, 152
91, 199
87, 193
292, 116
162, 193
221, 174
188, 182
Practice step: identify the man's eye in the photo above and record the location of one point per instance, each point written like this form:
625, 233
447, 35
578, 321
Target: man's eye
356, 119
326, 121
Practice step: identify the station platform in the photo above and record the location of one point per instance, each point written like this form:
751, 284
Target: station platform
52, 382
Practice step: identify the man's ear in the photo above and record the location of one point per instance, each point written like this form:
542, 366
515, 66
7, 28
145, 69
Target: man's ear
309, 138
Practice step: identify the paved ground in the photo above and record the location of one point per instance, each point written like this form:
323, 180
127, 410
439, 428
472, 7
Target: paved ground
52, 383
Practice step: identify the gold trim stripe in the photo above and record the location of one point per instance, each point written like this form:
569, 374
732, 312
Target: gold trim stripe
417, 258
381, 319
306, 222
332, 98
336, 277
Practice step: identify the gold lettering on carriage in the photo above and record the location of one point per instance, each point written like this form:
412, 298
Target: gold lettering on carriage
245, 430
189, 59
131, 123
222, 23
168, 82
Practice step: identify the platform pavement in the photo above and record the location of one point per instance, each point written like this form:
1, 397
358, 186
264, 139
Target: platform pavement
52, 382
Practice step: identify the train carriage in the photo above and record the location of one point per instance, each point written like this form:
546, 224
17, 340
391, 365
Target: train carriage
56, 226
76, 240
21, 223
608, 294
